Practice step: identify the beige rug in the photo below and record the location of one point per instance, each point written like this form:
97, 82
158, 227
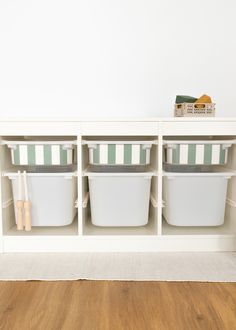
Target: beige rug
204, 266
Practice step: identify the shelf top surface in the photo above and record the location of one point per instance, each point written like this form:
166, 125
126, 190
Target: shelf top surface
117, 119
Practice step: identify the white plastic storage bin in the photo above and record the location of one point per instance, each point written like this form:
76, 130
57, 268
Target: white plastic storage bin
119, 199
41, 152
52, 197
195, 199
193, 152
119, 152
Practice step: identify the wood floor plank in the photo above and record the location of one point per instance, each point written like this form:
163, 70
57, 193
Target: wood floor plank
108, 305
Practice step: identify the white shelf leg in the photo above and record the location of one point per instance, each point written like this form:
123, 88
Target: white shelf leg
80, 185
159, 188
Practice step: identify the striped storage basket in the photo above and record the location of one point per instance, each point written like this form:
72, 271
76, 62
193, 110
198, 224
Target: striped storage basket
196, 153
119, 153
41, 153
194, 110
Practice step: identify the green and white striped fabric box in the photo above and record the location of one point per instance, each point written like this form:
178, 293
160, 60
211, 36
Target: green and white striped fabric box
41, 154
119, 153
196, 153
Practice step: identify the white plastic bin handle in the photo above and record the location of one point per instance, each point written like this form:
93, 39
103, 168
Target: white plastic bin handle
11, 177
67, 146
171, 146
226, 146
68, 177
146, 146
92, 146
12, 146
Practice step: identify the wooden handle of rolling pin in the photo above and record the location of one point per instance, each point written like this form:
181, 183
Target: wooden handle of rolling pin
20, 207
27, 208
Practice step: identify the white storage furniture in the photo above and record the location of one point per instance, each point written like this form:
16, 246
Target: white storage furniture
157, 235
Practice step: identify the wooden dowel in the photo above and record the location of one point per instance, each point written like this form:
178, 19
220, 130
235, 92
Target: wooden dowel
19, 216
27, 206
19, 205
27, 209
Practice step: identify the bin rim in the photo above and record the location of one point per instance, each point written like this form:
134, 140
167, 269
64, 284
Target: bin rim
134, 142
148, 175
220, 173
228, 142
38, 142
121, 170
12, 175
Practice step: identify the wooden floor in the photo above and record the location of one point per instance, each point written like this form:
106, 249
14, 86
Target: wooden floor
88, 305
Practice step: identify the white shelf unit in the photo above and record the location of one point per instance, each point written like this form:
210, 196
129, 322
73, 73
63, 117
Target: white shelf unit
82, 235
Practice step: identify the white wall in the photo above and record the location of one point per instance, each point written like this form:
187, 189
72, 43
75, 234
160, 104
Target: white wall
115, 58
